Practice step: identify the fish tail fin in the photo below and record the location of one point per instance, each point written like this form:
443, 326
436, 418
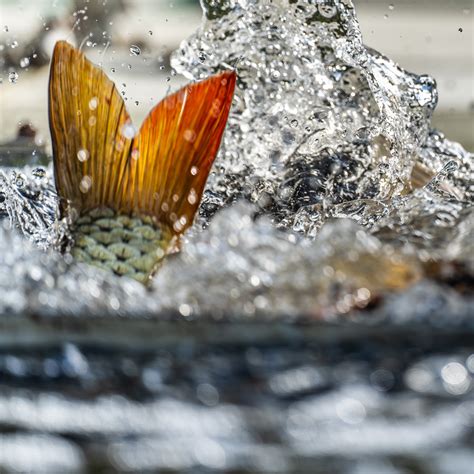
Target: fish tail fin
176, 148
101, 161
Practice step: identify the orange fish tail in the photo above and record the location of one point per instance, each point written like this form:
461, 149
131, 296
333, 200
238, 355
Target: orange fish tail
99, 159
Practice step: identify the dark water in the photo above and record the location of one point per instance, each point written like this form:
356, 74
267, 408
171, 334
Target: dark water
374, 394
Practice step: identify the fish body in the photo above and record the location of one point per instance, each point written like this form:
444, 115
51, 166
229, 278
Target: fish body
129, 194
130, 246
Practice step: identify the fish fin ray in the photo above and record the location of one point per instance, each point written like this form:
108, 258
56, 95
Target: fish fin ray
87, 116
176, 147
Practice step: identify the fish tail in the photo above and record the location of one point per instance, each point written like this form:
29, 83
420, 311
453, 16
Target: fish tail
101, 161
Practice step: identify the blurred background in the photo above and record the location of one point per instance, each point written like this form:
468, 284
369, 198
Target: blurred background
133, 39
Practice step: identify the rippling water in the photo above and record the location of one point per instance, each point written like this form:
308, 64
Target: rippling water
319, 315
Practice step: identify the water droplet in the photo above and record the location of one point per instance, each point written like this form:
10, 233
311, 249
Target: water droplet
39, 172
192, 197
25, 62
128, 131
391, 6
85, 184
135, 50
327, 11
275, 75
13, 44
189, 135
82, 155
5, 28
150, 32
93, 103
13, 77
460, 30
112, 69
20, 181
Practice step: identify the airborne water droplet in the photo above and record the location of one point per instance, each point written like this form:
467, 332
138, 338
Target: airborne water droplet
135, 50
39, 172
93, 103
85, 184
128, 131
25, 62
82, 155
13, 77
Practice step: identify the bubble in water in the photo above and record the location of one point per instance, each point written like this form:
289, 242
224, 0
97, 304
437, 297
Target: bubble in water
391, 6
5, 28
14, 44
20, 180
135, 50
25, 62
13, 77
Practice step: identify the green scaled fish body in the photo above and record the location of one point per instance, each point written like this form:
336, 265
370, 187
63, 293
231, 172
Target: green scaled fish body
131, 246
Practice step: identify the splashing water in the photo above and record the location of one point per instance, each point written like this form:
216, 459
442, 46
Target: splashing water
318, 116
322, 128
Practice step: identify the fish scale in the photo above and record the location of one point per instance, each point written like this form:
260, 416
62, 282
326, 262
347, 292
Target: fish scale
130, 246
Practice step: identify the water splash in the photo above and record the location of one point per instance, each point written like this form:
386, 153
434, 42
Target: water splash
314, 108
323, 132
